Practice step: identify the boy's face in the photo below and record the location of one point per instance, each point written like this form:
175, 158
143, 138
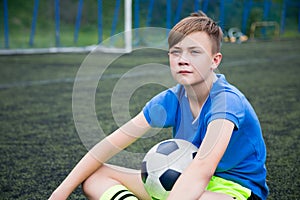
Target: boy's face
192, 61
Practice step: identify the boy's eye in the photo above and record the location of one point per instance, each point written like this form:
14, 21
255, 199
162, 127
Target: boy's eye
195, 52
175, 52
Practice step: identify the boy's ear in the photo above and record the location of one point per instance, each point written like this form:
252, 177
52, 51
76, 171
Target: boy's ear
216, 60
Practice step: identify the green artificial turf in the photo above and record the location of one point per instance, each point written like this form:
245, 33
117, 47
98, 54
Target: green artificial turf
39, 143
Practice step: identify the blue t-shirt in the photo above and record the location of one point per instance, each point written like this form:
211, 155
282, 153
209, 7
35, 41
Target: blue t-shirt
245, 156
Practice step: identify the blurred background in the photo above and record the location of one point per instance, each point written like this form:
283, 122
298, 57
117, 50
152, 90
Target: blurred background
63, 23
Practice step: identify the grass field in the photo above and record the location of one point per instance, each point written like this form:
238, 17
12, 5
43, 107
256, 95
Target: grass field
39, 143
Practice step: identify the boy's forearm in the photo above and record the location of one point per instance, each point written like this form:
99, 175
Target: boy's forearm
196, 177
190, 185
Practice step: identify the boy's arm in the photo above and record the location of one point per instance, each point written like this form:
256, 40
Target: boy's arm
100, 153
193, 181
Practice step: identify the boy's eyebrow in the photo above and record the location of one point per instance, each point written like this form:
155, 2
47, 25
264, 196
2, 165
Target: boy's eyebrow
176, 47
195, 47
191, 47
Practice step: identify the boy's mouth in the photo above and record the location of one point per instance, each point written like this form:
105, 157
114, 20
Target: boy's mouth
184, 72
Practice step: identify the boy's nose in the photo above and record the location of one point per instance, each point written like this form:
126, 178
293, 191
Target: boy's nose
183, 61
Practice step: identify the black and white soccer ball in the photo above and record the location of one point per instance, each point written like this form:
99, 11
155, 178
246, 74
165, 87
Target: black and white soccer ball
163, 164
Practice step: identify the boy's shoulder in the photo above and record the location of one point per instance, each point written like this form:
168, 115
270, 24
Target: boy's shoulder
222, 86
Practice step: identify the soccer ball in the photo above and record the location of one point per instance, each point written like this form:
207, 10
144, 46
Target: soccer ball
163, 164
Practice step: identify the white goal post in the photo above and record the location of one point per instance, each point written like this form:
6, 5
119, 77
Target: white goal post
128, 25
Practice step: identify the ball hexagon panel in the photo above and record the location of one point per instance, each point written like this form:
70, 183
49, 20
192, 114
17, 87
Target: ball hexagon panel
155, 189
156, 163
179, 160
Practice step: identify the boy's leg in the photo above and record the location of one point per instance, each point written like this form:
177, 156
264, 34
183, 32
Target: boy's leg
108, 176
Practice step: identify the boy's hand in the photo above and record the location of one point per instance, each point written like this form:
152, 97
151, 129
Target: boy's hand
58, 195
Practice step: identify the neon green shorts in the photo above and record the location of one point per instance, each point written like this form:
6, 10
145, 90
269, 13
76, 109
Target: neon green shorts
231, 188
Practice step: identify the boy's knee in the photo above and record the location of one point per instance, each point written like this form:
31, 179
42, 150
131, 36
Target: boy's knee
87, 187
97, 183
92, 186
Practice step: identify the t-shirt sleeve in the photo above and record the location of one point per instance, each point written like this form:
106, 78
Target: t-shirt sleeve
160, 111
228, 105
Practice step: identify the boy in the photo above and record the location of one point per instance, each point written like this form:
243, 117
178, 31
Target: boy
203, 109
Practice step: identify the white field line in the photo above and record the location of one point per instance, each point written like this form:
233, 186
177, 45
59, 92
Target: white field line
53, 50
70, 80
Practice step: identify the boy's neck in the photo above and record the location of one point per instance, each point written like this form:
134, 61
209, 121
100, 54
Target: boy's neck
197, 94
